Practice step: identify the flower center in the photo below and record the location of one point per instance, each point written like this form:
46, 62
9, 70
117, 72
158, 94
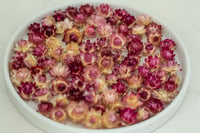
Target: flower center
117, 41
149, 47
61, 87
73, 37
59, 114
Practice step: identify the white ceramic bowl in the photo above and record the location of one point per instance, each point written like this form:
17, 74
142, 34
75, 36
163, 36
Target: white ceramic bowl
50, 126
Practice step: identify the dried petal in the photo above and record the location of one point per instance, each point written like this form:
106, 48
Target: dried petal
26, 90
41, 95
56, 53
72, 49
73, 35
90, 31
110, 98
40, 50
93, 119
135, 46
80, 18
104, 10
59, 71
170, 66
128, 19
88, 46
153, 62
20, 75
77, 111
96, 20
131, 61
62, 26
143, 114
123, 29
134, 82
87, 9
53, 42
18, 61
132, 101
167, 54
58, 114
119, 87
144, 94
128, 115
100, 84
105, 30
138, 30
59, 16
60, 86
153, 28
153, 82
124, 71
167, 44
48, 31
105, 64
164, 95
110, 119
149, 49
117, 41
60, 100
76, 67
30, 61
90, 96
71, 12
23, 46
41, 80
45, 108
154, 38
155, 105
48, 21
143, 19
36, 38
143, 71
91, 73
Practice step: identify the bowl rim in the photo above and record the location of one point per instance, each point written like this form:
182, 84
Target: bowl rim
66, 127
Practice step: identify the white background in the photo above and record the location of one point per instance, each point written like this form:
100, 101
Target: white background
182, 15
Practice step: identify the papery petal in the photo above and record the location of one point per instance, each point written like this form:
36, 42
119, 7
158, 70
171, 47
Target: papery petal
23, 46
106, 64
105, 30
110, 119
134, 82
93, 119
30, 60
60, 86
59, 71
117, 41
143, 19
91, 73
104, 10
77, 111
58, 114
41, 81
20, 75
88, 58
73, 35
132, 101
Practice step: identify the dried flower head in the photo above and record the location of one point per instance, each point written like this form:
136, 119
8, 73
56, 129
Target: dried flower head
93, 119
77, 111
73, 35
